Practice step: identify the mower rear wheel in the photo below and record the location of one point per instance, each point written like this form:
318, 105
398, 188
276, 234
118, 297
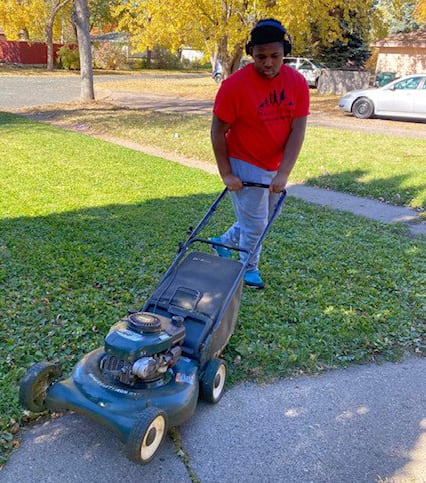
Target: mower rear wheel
146, 435
35, 384
213, 380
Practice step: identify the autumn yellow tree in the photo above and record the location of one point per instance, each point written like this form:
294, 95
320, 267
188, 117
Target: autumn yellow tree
221, 27
35, 19
420, 11
14, 17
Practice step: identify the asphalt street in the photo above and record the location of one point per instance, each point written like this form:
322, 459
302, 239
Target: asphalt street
21, 91
17, 92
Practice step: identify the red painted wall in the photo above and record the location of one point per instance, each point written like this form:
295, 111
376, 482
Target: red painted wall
25, 52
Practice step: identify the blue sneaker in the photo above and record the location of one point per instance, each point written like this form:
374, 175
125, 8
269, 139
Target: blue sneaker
221, 251
252, 278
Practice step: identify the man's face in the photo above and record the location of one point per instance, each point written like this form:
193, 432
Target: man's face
268, 59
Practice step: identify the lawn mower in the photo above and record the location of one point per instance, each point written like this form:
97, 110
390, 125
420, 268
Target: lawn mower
155, 362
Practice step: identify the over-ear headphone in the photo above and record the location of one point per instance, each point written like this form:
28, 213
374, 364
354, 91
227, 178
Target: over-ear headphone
282, 34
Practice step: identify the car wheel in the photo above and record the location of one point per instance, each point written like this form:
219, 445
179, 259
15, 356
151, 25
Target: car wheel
146, 435
218, 78
213, 381
363, 108
35, 384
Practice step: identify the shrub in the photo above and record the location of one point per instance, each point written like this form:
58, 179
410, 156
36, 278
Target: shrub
69, 57
108, 55
165, 59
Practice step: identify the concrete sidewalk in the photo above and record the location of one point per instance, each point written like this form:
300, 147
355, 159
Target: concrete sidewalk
363, 424
372, 209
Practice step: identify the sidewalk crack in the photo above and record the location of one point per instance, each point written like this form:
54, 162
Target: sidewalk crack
180, 451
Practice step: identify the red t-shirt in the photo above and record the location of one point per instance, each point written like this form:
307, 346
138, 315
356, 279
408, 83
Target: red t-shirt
260, 112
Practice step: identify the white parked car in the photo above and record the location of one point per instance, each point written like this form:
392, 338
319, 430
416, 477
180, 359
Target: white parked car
309, 68
217, 73
402, 98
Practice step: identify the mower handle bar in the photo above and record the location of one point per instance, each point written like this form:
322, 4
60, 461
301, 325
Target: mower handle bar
193, 236
237, 281
256, 185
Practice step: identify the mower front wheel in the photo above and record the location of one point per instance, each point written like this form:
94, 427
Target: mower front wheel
213, 380
35, 384
146, 435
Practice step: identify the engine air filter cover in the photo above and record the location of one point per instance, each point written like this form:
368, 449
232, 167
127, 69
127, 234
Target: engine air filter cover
143, 322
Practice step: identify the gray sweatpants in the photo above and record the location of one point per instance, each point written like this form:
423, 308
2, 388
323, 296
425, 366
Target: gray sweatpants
253, 207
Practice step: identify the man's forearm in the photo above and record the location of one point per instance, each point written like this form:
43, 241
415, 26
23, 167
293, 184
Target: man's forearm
293, 146
222, 159
220, 150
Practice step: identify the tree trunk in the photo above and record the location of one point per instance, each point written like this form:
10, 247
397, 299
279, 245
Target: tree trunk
81, 20
49, 31
230, 61
49, 42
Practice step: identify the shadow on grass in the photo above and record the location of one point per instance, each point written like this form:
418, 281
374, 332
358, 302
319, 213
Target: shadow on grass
339, 289
393, 190
12, 119
105, 117
66, 278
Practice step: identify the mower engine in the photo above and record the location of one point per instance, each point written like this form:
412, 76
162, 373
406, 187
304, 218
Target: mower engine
142, 347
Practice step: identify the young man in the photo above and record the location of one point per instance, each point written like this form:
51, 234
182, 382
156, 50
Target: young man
257, 131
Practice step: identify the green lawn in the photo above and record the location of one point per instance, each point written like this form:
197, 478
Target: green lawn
387, 168
87, 228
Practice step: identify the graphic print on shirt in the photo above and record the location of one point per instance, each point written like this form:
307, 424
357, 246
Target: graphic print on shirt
275, 107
